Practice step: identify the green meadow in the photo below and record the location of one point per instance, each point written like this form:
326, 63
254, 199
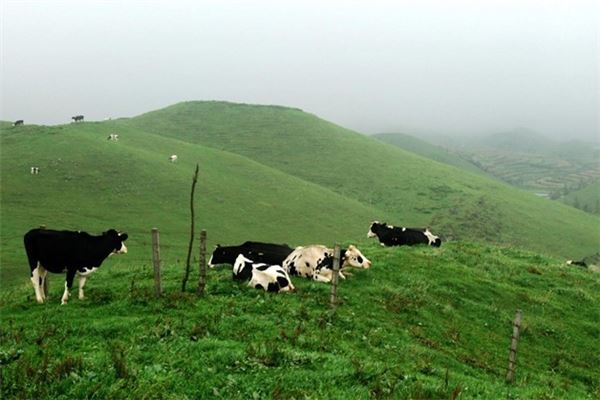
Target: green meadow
422, 323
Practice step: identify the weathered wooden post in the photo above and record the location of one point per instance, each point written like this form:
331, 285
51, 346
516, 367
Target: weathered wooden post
45, 287
202, 278
512, 356
334, 276
156, 262
189, 254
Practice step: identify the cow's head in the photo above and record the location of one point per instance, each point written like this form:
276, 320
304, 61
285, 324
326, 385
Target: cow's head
116, 241
354, 258
374, 228
218, 256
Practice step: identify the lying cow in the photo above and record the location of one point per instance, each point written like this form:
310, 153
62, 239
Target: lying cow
271, 278
394, 236
173, 158
316, 262
267, 253
76, 253
113, 136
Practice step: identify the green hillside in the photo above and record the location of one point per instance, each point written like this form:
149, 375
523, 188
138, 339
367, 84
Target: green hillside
427, 150
422, 323
410, 189
587, 198
89, 183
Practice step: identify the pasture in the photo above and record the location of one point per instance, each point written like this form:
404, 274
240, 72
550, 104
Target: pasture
421, 323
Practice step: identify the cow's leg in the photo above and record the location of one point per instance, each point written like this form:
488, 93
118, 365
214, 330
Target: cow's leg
82, 280
42, 273
68, 286
35, 280
321, 278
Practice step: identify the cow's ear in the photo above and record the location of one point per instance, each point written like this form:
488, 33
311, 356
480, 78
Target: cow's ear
123, 236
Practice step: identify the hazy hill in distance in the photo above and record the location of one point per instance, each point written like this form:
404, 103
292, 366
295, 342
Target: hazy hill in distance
426, 149
412, 190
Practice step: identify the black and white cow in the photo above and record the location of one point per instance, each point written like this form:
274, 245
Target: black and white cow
77, 118
76, 253
259, 252
35, 170
272, 278
316, 262
173, 157
18, 122
398, 236
113, 136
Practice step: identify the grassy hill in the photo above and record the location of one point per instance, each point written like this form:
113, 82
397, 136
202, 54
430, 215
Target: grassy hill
89, 183
422, 323
410, 189
587, 198
428, 150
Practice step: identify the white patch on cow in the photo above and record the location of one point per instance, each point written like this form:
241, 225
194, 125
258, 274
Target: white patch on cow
403, 229
123, 249
173, 158
210, 264
370, 234
569, 262
87, 272
35, 281
430, 236
65, 296
82, 279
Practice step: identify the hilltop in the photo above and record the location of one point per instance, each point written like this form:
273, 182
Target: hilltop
409, 189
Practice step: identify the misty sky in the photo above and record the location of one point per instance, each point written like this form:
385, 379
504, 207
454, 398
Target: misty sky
373, 66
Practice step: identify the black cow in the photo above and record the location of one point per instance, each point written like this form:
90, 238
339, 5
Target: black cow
394, 236
77, 118
268, 253
71, 252
18, 122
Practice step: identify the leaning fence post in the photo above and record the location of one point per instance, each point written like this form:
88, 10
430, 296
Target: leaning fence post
156, 261
334, 276
202, 278
512, 356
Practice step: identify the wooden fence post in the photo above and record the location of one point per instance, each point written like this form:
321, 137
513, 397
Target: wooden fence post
189, 254
156, 261
45, 287
334, 276
202, 278
512, 356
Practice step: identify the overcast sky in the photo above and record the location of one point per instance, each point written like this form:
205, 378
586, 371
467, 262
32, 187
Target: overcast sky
374, 66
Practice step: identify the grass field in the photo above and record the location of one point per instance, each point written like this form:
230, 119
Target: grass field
422, 323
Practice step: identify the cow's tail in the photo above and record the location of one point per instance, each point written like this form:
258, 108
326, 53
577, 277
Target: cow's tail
28, 241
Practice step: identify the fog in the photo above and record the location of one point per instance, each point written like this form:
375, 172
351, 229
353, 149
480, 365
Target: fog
373, 66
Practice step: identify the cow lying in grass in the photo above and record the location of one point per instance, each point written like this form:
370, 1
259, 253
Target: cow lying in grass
399, 236
271, 278
316, 262
259, 252
76, 253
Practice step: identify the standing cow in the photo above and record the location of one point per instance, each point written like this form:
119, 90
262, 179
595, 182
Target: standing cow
76, 253
316, 262
18, 122
389, 235
173, 158
77, 118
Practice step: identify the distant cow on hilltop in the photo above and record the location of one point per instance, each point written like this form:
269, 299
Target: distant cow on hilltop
77, 118
18, 122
